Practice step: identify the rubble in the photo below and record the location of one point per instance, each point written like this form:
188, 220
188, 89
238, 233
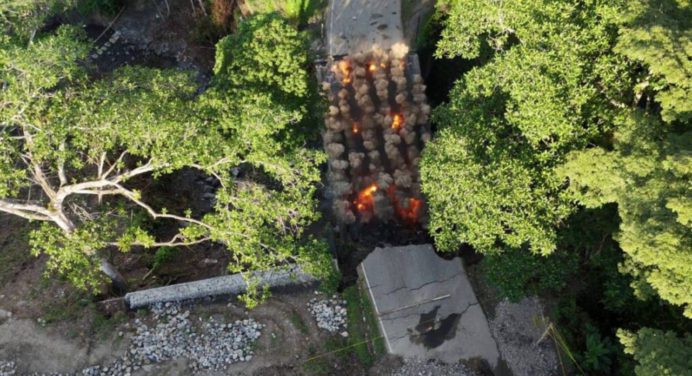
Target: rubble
172, 334
329, 313
431, 368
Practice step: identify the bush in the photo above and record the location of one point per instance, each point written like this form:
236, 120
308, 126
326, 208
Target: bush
518, 273
163, 255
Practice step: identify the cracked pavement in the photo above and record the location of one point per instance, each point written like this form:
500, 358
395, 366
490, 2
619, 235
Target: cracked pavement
426, 306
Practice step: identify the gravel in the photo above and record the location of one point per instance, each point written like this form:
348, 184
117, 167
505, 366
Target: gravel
7, 368
415, 367
330, 314
517, 327
205, 344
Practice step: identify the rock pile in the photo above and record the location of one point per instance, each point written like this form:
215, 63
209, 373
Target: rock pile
330, 314
416, 367
207, 345
7, 368
217, 345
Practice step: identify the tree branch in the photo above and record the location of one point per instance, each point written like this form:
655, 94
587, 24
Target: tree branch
61, 166
113, 166
174, 242
26, 211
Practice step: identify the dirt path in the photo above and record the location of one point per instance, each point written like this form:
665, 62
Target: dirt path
38, 349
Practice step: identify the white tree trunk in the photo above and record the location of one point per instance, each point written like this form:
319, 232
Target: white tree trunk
118, 281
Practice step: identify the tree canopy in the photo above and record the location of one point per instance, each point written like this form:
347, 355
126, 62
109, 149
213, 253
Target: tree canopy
570, 105
547, 85
73, 151
658, 353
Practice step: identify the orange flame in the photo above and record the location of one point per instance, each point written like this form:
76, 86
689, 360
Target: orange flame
355, 128
345, 69
397, 121
365, 201
372, 67
411, 212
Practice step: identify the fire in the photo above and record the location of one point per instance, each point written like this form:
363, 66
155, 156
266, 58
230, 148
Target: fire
383, 65
412, 211
345, 69
355, 128
397, 121
409, 210
372, 67
365, 201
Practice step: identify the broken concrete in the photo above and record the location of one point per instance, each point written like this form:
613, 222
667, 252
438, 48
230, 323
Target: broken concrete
426, 306
226, 285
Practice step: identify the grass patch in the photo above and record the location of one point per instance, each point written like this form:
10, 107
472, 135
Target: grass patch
103, 326
69, 308
364, 338
298, 322
316, 365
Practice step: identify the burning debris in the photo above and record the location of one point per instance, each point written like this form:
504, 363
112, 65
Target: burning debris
376, 125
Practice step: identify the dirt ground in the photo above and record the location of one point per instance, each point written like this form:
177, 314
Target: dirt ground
54, 328
290, 344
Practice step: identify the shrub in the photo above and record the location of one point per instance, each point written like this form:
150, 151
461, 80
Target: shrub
517, 273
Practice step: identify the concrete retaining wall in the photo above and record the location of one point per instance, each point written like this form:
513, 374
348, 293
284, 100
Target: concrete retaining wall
225, 285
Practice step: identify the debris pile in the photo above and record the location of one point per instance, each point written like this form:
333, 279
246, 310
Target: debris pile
376, 125
330, 314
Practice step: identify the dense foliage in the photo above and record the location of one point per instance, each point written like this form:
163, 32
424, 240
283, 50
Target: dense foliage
572, 106
296, 10
74, 151
489, 177
658, 353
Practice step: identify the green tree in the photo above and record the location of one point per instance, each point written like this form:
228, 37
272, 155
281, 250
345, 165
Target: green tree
647, 175
23, 18
517, 273
73, 153
550, 83
658, 34
658, 353
646, 167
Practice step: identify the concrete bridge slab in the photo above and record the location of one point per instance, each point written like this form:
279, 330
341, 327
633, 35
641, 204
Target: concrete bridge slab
426, 306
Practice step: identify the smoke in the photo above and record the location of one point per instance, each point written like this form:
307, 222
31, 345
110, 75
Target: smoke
375, 125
